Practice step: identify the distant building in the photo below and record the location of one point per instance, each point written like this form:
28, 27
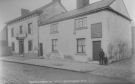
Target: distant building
23, 32
81, 33
4, 49
133, 39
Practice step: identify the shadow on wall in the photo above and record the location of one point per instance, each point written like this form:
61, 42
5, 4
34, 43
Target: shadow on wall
118, 50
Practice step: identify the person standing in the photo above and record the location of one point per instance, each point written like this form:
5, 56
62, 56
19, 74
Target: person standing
101, 57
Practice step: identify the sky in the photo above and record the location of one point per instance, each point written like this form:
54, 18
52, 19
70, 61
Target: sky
10, 9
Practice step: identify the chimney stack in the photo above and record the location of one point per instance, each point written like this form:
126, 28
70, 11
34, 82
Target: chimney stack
24, 11
56, 0
82, 3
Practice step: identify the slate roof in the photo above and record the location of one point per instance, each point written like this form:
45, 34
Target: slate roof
95, 7
26, 15
36, 11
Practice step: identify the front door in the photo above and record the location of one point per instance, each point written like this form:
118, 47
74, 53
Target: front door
41, 49
21, 47
96, 50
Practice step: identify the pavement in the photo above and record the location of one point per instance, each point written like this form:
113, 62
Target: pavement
55, 63
124, 69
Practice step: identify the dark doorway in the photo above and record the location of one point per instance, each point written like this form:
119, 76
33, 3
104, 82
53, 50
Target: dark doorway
21, 47
96, 50
41, 49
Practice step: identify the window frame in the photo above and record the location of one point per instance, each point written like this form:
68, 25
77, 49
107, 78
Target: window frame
21, 29
93, 34
12, 32
54, 44
30, 28
54, 28
80, 23
30, 45
81, 46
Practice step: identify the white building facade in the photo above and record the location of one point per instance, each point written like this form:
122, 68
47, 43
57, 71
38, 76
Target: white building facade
23, 32
80, 34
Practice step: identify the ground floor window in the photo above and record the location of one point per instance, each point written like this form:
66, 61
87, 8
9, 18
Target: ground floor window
54, 44
13, 46
30, 45
81, 45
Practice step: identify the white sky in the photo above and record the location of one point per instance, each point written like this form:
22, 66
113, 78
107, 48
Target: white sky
10, 9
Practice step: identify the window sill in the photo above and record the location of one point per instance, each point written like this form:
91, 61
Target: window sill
81, 28
54, 32
81, 54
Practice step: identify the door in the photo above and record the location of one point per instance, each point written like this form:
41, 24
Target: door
41, 49
21, 47
96, 50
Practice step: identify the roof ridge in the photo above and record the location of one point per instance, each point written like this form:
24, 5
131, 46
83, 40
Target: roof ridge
97, 6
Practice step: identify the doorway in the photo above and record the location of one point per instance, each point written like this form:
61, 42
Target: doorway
96, 50
41, 49
21, 46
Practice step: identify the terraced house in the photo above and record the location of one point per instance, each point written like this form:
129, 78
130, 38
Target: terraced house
80, 34
23, 32
54, 33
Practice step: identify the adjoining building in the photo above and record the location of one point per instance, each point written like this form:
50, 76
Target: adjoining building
4, 49
81, 33
23, 32
133, 40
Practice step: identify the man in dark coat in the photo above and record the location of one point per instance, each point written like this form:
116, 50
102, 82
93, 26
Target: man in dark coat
101, 57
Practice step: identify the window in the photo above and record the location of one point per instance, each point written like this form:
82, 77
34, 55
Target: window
54, 28
29, 28
81, 23
54, 44
30, 45
21, 31
96, 30
81, 45
12, 32
13, 46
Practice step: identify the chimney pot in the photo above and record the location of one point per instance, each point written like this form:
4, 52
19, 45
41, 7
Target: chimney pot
56, 0
24, 11
82, 3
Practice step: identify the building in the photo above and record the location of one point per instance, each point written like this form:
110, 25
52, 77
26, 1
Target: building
81, 33
133, 39
23, 34
4, 49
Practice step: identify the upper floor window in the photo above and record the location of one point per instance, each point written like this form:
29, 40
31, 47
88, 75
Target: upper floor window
29, 28
81, 23
96, 30
54, 28
54, 44
81, 45
12, 32
30, 45
21, 30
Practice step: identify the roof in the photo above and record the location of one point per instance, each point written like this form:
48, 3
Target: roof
21, 17
94, 7
36, 11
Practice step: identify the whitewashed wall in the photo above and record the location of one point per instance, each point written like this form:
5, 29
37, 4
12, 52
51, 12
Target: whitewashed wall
119, 31
67, 36
33, 36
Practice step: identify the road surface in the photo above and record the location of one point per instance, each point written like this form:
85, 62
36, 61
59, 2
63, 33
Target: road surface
16, 73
